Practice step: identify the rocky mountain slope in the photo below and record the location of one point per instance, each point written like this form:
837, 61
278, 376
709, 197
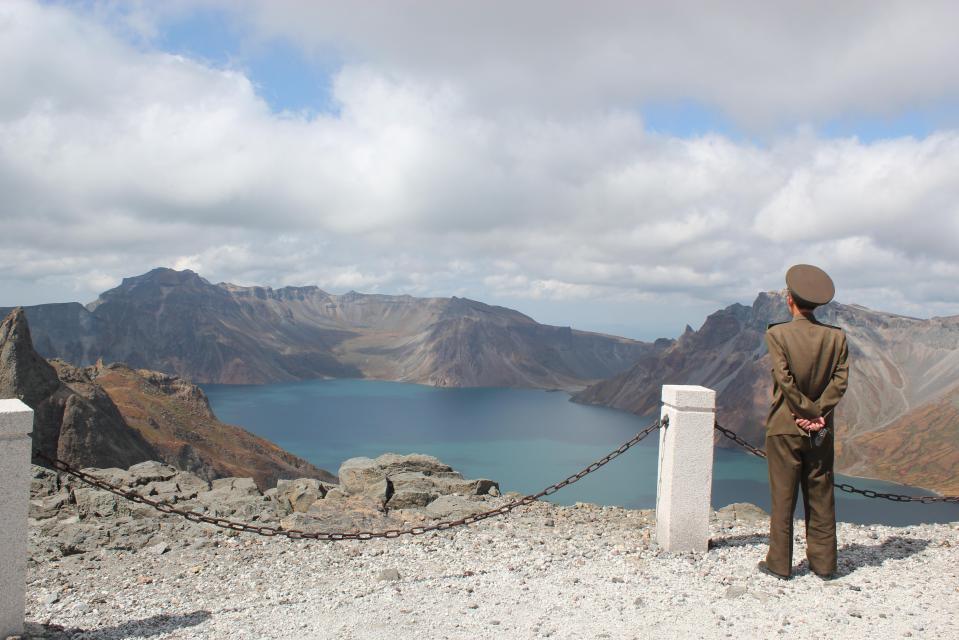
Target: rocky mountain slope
919, 448
74, 419
897, 421
174, 416
114, 416
181, 324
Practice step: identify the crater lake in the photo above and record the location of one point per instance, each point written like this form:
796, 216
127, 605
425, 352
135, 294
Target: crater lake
525, 439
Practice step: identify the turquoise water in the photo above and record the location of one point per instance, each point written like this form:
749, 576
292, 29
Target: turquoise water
525, 439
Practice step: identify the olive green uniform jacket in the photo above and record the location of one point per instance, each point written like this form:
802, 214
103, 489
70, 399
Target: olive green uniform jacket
809, 370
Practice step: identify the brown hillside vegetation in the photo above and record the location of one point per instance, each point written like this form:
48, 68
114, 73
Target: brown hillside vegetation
175, 418
917, 449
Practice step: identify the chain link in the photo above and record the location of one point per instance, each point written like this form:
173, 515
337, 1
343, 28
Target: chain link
896, 497
848, 488
732, 435
296, 534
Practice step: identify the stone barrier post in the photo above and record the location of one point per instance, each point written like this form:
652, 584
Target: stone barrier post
16, 423
684, 487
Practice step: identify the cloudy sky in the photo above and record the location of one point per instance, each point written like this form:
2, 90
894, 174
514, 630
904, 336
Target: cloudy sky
606, 165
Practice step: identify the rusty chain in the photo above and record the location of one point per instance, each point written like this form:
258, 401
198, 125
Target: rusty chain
295, 534
732, 435
842, 486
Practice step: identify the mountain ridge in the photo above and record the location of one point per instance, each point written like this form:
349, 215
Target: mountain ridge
180, 323
901, 369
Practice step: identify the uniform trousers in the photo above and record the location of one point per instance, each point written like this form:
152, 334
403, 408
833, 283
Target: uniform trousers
794, 463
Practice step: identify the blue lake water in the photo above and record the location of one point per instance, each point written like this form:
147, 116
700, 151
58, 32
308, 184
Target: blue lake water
524, 439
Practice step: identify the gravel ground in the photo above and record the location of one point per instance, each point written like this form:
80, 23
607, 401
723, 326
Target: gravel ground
546, 571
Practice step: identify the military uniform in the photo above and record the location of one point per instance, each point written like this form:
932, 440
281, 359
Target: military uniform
810, 374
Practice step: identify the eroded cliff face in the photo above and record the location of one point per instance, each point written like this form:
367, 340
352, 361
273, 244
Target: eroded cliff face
181, 324
894, 422
114, 416
74, 419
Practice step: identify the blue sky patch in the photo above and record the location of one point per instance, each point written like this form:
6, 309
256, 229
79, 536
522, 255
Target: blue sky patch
285, 77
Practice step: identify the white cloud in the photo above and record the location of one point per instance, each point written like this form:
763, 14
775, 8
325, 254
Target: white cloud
115, 159
760, 63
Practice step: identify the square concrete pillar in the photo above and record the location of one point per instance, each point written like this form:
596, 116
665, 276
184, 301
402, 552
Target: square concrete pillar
16, 423
685, 481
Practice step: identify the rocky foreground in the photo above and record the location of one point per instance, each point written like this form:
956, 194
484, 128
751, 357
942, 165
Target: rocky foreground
101, 567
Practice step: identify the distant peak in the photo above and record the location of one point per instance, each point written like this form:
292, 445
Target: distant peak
350, 296
24, 373
167, 275
161, 276
15, 328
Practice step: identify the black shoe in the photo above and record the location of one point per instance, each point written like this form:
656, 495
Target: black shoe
826, 576
764, 568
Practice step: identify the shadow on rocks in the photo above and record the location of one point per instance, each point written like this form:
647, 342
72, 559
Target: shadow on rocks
146, 628
741, 540
856, 556
851, 556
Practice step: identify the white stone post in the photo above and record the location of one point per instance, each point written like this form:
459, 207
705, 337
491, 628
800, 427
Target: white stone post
16, 423
684, 487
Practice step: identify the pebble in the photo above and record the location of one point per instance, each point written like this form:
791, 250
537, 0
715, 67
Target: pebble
388, 575
735, 591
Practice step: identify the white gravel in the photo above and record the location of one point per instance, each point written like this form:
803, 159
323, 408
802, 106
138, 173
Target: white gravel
548, 571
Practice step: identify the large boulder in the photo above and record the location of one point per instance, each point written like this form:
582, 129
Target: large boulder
151, 471
235, 487
455, 507
297, 496
357, 474
739, 513
408, 482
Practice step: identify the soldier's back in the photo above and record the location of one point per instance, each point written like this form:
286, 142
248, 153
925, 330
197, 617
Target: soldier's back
812, 350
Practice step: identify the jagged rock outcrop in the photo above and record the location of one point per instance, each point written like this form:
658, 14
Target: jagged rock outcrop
76, 518
181, 324
410, 481
114, 416
74, 419
897, 421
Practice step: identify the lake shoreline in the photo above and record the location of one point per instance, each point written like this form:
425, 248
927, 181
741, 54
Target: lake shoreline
523, 438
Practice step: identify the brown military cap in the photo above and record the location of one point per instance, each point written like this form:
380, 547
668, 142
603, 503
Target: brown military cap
810, 284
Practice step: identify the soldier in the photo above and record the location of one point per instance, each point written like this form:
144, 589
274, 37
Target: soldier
809, 378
